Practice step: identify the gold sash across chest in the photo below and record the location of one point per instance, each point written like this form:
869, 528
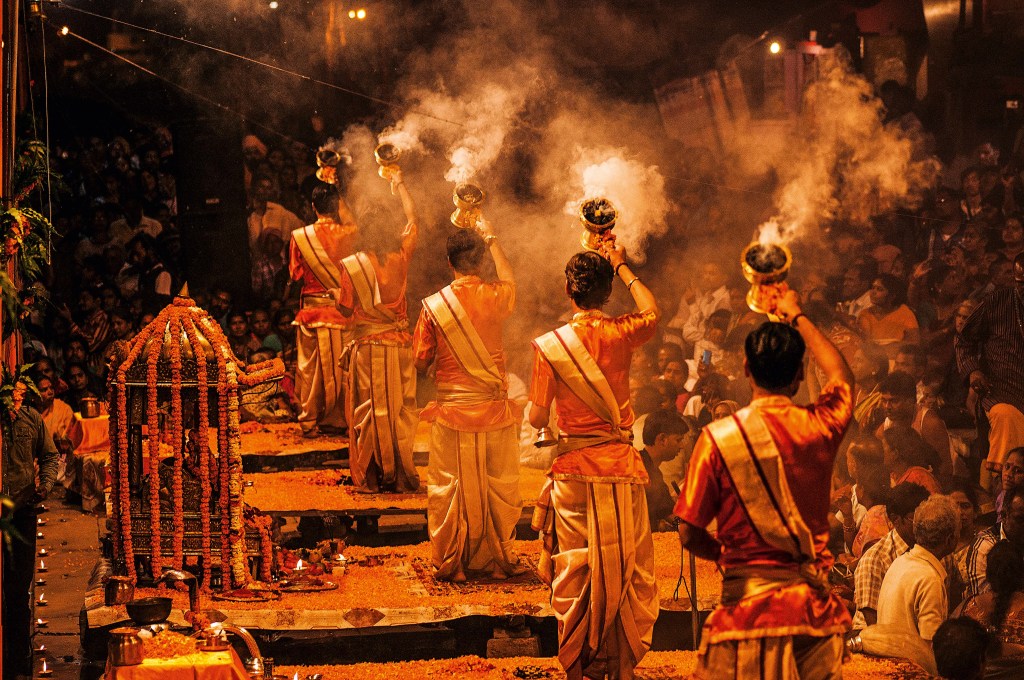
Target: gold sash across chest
577, 368
316, 257
755, 466
464, 341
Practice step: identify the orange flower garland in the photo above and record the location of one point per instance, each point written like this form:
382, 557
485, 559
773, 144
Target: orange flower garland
153, 442
203, 390
183, 318
176, 442
123, 519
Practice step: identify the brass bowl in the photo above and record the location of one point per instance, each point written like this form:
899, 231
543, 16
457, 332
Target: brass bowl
764, 264
147, 610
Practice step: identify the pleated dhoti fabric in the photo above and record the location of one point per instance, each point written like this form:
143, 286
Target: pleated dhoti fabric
797, 657
473, 501
602, 576
382, 417
318, 377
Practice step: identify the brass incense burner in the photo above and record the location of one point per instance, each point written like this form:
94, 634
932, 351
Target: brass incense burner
327, 161
387, 156
467, 199
763, 265
598, 216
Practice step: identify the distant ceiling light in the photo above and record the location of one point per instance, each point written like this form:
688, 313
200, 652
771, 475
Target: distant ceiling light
273, 4
65, 30
351, 14
361, 14
775, 47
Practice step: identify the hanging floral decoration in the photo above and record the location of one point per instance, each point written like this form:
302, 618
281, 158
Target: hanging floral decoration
181, 336
25, 234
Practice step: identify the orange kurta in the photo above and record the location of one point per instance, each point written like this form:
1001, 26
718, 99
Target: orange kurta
487, 305
339, 241
392, 278
807, 438
611, 342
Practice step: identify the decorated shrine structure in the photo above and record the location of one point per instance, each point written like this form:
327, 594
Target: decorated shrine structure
176, 490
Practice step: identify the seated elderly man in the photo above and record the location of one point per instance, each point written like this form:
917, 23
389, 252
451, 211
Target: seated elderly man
913, 595
913, 601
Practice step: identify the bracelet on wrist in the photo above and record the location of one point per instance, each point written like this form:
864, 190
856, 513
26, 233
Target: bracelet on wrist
618, 266
490, 239
630, 284
792, 322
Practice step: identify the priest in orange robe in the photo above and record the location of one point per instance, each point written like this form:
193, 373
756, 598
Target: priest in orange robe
598, 554
380, 398
315, 252
473, 501
764, 475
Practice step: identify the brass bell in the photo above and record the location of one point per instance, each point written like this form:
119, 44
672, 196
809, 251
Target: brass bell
545, 438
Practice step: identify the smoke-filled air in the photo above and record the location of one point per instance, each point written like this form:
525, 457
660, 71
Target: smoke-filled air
498, 105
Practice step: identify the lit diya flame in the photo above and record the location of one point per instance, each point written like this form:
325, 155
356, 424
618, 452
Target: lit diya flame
45, 672
42, 600
40, 649
42, 566
42, 552
299, 566
41, 623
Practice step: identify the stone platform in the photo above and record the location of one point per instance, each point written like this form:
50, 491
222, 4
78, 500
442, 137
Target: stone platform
655, 666
392, 590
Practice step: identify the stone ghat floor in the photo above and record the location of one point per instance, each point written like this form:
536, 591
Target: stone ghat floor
395, 586
655, 666
331, 491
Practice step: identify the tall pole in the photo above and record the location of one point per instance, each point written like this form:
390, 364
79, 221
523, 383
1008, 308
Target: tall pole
8, 111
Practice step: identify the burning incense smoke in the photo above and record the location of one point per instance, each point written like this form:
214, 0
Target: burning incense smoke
636, 190
843, 166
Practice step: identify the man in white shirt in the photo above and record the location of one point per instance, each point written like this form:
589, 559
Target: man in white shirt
913, 599
699, 303
134, 222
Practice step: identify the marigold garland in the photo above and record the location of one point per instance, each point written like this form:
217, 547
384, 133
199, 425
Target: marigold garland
177, 433
203, 436
153, 443
183, 318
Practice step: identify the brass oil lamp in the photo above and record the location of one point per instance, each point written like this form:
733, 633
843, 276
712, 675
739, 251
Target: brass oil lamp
763, 265
387, 155
467, 199
598, 216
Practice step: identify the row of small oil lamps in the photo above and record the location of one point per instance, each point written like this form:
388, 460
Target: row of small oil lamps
45, 671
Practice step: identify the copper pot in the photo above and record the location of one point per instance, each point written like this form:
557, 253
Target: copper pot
125, 647
90, 407
118, 590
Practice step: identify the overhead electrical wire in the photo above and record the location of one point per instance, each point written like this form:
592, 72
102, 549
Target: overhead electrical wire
280, 69
68, 32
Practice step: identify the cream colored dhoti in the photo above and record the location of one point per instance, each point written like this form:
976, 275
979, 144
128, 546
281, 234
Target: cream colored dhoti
777, 658
473, 502
318, 377
381, 412
602, 575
